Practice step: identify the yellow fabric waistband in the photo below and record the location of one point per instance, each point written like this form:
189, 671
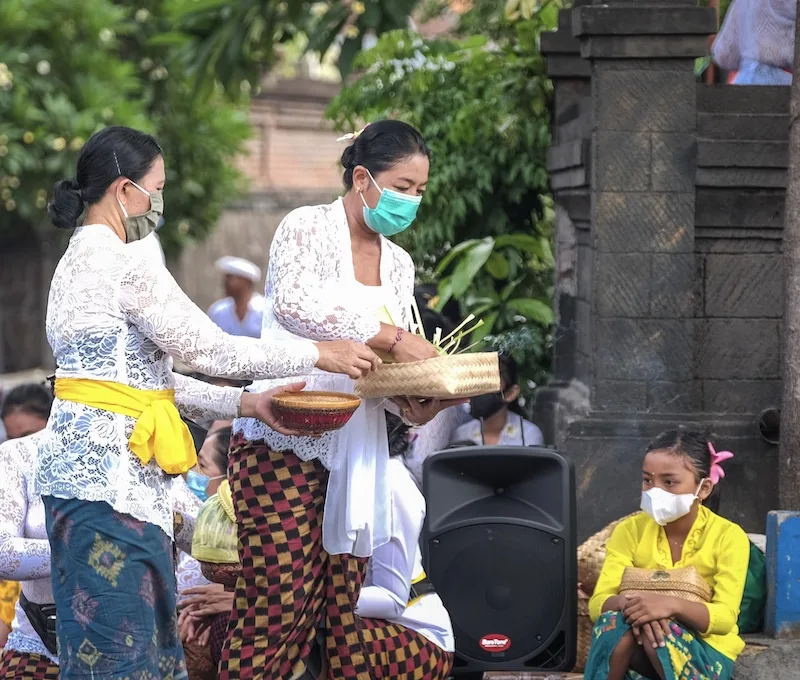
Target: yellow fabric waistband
159, 431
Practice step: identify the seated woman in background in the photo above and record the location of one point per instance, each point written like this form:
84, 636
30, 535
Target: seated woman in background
496, 418
25, 411
405, 629
653, 634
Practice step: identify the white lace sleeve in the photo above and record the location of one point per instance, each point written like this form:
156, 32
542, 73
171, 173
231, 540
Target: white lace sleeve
21, 559
726, 50
186, 504
198, 400
300, 257
157, 306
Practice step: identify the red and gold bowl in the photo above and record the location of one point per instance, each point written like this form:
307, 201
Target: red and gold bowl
314, 413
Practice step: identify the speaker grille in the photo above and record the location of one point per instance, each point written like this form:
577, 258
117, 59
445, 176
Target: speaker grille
500, 580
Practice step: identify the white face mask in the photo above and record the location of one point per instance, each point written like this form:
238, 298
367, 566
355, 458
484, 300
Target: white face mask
665, 507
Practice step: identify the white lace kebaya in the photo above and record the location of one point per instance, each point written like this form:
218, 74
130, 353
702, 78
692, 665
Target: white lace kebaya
115, 314
312, 293
24, 548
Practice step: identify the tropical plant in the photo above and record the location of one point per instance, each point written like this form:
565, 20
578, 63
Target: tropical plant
231, 41
482, 102
69, 68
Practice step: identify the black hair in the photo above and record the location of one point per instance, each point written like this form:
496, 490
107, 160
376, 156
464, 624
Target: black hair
32, 398
397, 432
692, 445
110, 153
447, 319
222, 443
380, 146
509, 376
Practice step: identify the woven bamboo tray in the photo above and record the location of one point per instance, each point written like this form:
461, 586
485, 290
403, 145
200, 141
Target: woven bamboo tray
685, 583
449, 377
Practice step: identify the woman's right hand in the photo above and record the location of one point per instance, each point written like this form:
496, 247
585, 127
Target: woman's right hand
413, 348
347, 357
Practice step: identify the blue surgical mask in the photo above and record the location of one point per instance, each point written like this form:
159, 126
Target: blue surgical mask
198, 484
395, 211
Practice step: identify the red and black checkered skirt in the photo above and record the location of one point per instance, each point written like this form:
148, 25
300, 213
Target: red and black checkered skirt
290, 589
23, 666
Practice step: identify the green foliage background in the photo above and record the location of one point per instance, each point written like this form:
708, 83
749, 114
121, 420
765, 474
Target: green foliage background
481, 99
69, 68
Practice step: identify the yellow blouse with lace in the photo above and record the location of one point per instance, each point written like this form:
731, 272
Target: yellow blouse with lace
716, 547
9, 594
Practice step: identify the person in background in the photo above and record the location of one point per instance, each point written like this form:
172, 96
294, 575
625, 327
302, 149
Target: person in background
400, 615
496, 418
425, 440
654, 634
26, 409
757, 42
205, 607
241, 310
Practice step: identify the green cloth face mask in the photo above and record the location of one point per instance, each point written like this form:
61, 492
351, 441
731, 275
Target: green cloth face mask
395, 211
139, 226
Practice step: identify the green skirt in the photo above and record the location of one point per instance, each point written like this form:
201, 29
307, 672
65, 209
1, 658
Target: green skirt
685, 656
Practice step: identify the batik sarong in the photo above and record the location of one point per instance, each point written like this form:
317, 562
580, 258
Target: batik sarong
684, 655
115, 595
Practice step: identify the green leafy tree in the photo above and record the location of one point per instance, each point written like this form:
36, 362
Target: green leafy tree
482, 102
235, 41
69, 68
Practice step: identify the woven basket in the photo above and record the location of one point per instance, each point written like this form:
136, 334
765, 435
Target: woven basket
450, 377
313, 413
685, 583
592, 554
584, 635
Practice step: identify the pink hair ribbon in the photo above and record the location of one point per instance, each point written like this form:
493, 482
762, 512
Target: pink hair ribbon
716, 472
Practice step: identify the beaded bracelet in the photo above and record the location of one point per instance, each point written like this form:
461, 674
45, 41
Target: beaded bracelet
398, 338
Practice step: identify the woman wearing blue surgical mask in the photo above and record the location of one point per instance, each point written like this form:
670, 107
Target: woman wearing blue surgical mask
333, 273
654, 634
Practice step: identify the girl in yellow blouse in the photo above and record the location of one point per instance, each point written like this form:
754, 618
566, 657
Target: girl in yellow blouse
652, 635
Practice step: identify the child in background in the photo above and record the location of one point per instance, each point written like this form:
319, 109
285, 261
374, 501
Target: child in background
653, 635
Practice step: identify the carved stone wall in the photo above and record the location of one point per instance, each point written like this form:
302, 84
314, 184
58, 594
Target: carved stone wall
669, 202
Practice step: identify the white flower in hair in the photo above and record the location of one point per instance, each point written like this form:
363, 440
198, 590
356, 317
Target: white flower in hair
351, 136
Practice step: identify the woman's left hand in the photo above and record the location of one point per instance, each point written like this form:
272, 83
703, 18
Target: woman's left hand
421, 411
647, 607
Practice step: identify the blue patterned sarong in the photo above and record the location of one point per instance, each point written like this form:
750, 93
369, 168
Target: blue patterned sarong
114, 586
685, 656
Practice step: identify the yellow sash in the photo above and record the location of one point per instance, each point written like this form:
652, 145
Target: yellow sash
159, 431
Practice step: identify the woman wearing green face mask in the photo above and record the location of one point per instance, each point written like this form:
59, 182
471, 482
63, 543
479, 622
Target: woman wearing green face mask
332, 274
115, 439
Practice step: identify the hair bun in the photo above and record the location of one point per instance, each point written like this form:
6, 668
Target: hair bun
349, 157
66, 206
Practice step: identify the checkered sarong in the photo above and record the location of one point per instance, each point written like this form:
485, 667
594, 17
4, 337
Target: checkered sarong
280, 595
400, 653
290, 587
23, 666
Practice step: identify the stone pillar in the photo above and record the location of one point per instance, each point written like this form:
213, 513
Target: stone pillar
643, 200
568, 163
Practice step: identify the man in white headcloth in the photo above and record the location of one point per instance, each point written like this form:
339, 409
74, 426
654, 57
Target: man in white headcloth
240, 312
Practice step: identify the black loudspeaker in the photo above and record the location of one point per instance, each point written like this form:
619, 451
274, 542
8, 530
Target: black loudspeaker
499, 545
